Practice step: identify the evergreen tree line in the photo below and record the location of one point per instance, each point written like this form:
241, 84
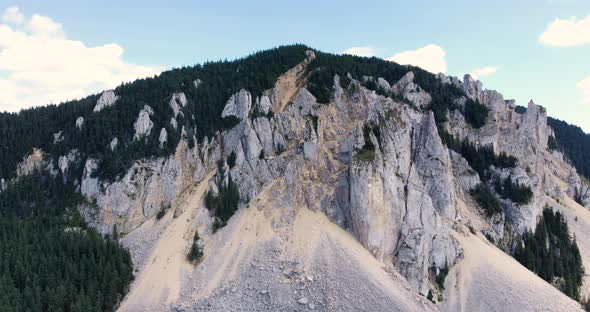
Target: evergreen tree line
325, 66
49, 259
550, 253
573, 142
514, 191
479, 158
486, 199
224, 204
34, 128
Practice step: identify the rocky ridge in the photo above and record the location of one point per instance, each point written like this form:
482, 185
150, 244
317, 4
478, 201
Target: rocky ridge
404, 200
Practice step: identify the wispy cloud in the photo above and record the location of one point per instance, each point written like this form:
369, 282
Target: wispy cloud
40, 65
430, 58
567, 33
484, 71
360, 51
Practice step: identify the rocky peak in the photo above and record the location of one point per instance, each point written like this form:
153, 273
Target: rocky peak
411, 91
107, 98
472, 88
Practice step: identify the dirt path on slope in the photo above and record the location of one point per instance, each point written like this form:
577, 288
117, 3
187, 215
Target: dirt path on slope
159, 282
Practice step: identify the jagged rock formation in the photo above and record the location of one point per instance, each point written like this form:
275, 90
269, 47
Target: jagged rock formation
410, 91
106, 99
177, 102
148, 186
238, 105
525, 137
143, 125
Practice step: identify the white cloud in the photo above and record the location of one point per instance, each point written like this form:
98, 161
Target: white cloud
39, 65
12, 15
360, 51
44, 26
430, 58
567, 33
484, 71
584, 86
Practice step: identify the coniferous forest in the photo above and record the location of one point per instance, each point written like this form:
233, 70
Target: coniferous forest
552, 254
49, 259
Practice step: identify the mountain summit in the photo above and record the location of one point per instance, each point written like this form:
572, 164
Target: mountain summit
297, 180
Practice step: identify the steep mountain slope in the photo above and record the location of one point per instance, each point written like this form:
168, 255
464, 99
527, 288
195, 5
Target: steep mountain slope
360, 183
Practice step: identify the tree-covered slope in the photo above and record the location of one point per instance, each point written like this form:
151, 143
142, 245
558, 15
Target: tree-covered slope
574, 143
217, 81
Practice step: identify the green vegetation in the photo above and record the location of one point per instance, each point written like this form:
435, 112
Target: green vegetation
518, 194
552, 144
19, 133
552, 254
162, 212
367, 153
196, 252
442, 275
479, 158
476, 114
51, 260
573, 142
326, 65
225, 203
486, 199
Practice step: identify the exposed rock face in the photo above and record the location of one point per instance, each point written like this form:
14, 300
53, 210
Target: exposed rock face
411, 91
30, 163
471, 87
525, 137
397, 205
238, 105
114, 143
382, 83
177, 102
400, 200
449, 80
163, 138
58, 137
197, 82
107, 98
264, 105
65, 160
143, 125
146, 187
80, 122
465, 176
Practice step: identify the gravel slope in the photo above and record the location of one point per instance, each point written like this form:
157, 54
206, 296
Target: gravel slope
487, 279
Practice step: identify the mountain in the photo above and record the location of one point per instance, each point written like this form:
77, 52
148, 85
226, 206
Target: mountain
293, 179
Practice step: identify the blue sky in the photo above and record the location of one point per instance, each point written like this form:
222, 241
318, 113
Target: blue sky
142, 37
